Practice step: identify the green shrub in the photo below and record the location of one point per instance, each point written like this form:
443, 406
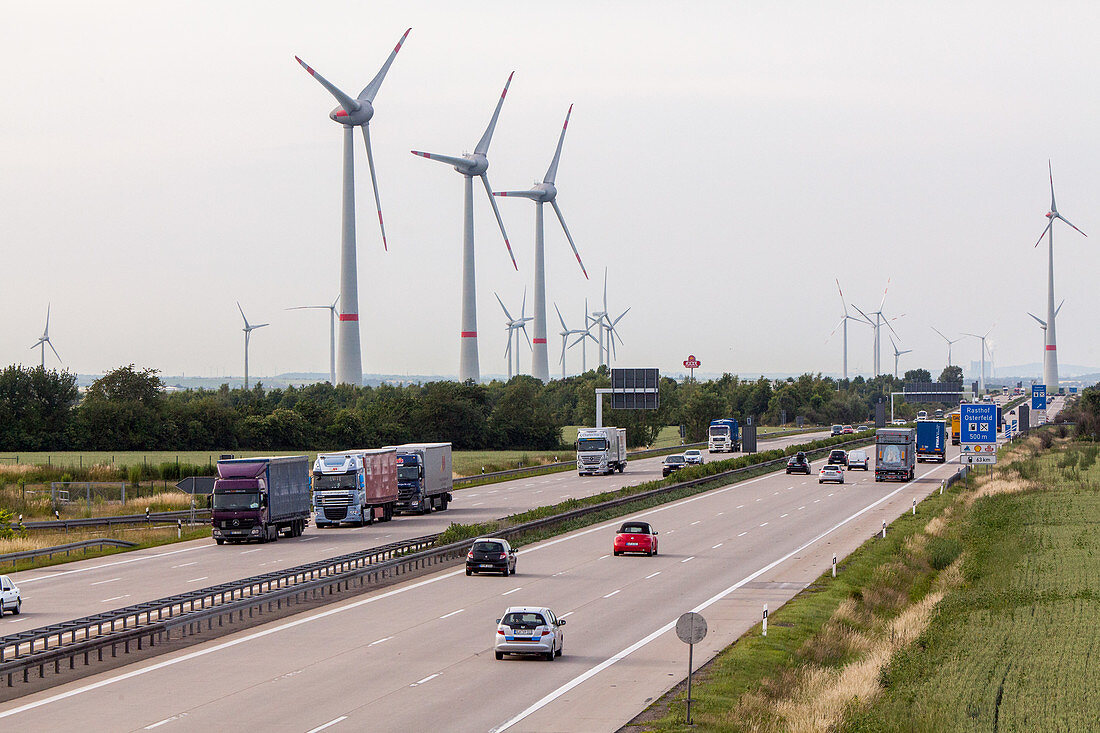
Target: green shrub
942, 551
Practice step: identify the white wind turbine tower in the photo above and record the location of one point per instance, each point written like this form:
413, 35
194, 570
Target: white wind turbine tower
586, 333
897, 355
514, 326
949, 342
877, 324
844, 322
981, 379
333, 313
1050, 353
248, 329
565, 333
545, 193
44, 340
354, 113
471, 165
602, 319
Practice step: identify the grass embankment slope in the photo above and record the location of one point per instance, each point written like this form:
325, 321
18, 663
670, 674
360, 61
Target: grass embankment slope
980, 613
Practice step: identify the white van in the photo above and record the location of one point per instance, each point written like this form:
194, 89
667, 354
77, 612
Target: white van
857, 459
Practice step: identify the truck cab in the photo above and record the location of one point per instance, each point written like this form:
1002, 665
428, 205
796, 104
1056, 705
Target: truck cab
357, 486
255, 499
724, 436
601, 450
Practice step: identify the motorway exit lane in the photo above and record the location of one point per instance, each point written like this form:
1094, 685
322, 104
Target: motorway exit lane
86, 587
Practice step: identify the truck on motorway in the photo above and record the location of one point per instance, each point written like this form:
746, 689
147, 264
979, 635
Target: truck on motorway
425, 477
257, 498
724, 436
601, 450
956, 427
931, 441
895, 454
356, 486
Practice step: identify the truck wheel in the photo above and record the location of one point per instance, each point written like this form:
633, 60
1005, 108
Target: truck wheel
622, 467
426, 506
443, 504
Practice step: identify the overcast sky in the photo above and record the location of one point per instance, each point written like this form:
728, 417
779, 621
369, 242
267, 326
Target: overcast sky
725, 162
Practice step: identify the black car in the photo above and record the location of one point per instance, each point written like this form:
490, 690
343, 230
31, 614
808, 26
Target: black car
838, 457
673, 463
798, 463
491, 555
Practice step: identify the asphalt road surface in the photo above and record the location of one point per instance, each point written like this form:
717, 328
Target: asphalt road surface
419, 655
86, 587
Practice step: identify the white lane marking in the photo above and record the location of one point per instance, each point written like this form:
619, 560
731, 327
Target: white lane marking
470, 496
101, 582
652, 575
775, 493
801, 508
549, 698
695, 522
116, 598
539, 491
351, 606
196, 580
740, 506
452, 613
245, 552
816, 501
492, 492
477, 503
759, 499
612, 593
765, 524
420, 682
384, 638
307, 539
566, 614
328, 724
789, 488
159, 723
742, 534
601, 557
715, 547
783, 515
670, 531
510, 592
830, 494
24, 581
688, 559
719, 514
186, 564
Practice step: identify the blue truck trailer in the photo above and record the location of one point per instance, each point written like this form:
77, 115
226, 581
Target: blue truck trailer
931, 441
257, 498
724, 436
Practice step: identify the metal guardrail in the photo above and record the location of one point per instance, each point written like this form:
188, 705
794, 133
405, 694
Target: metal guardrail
12, 558
154, 622
79, 522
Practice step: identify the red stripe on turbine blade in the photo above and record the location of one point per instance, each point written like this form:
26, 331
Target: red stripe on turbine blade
468, 334
539, 341
1051, 347
349, 316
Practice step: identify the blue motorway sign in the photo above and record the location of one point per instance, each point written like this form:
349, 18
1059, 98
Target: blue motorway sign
1038, 397
978, 423
1073, 390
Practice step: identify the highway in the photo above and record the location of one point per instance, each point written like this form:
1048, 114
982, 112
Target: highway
418, 655
86, 587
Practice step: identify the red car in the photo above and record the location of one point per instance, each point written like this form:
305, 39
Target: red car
636, 537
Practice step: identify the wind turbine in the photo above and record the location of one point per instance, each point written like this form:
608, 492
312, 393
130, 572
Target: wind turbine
565, 333
332, 333
514, 326
949, 342
545, 193
981, 380
586, 333
1042, 323
1050, 353
44, 339
248, 329
602, 319
354, 113
897, 355
471, 165
843, 322
880, 319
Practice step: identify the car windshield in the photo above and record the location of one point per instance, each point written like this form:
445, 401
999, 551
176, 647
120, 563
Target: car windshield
674, 459
525, 620
488, 547
691, 453
585, 444
634, 529
236, 502
796, 459
831, 468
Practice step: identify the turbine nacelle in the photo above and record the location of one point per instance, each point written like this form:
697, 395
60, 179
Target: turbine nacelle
355, 117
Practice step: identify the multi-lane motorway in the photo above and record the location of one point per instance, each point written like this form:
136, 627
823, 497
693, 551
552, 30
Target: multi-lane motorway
418, 655
86, 587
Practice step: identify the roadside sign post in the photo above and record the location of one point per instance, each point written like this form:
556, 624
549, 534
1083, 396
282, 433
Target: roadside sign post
691, 627
1039, 402
978, 433
692, 364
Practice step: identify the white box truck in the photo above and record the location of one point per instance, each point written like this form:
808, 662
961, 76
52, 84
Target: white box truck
601, 450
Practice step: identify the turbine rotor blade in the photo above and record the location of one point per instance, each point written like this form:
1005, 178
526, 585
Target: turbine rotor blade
242, 313
349, 104
569, 236
563, 326
370, 90
506, 313
496, 211
1067, 221
884, 291
552, 171
941, 335
842, 303
865, 316
1049, 225
374, 182
533, 195
1050, 171
1037, 318
483, 143
448, 159
50, 343
1059, 306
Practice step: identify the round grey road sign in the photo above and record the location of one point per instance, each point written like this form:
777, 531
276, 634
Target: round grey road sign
691, 628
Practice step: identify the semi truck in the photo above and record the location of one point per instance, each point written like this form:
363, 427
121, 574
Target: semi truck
931, 441
257, 498
356, 486
895, 454
425, 477
956, 427
724, 436
601, 450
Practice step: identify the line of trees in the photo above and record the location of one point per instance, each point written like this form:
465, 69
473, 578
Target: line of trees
129, 409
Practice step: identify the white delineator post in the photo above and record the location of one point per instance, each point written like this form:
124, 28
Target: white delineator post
834, 565
765, 621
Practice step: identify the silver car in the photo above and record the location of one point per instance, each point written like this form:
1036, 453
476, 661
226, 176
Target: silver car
831, 472
694, 456
529, 630
10, 599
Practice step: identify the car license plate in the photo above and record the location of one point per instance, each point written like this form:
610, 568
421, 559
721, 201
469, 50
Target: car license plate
631, 544
485, 565
522, 632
